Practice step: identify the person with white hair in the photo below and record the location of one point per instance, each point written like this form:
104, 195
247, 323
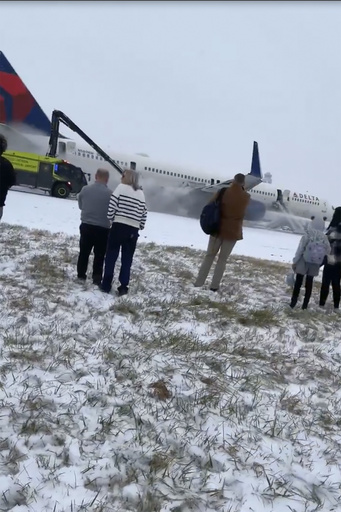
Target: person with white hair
7, 174
128, 213
310, 255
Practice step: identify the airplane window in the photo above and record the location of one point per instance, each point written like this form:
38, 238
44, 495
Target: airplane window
168, 173
88, 156
153, 169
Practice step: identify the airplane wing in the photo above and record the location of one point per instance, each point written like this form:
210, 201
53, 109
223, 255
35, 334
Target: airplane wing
252, 179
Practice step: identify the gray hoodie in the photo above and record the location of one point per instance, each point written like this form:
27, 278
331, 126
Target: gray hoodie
314, 233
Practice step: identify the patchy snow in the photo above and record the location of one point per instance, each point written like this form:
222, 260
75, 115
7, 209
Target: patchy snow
170, 399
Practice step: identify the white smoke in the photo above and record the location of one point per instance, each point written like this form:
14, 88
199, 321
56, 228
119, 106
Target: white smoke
182, 201
24, 138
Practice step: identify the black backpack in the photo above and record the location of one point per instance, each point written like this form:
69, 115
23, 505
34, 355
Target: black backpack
210, 215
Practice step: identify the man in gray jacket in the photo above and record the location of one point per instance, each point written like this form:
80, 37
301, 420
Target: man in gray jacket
93, 201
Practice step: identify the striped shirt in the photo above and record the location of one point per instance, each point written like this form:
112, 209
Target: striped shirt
128, 206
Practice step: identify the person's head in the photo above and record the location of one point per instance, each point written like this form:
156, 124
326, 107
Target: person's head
336, 220
130, 177
317, 223
3, 144
240, 179
102, 176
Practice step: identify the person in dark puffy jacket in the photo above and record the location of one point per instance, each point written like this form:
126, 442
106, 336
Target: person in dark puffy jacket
301, 264
7, 174
332, 268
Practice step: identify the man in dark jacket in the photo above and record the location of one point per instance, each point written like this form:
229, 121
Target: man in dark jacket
7, 174
233, 208
332, 268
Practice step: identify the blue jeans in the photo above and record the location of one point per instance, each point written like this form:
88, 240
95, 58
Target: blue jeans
121, 237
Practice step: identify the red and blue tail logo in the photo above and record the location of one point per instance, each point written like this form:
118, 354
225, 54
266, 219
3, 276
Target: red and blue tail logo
17, 105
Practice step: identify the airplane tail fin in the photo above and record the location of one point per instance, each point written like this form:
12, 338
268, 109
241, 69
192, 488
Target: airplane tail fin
255, 164
17, 105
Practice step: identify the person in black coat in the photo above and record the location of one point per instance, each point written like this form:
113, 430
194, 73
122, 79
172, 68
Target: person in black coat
7, 174
332, 268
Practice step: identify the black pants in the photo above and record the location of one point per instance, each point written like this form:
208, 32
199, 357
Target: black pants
121, 237
92, 237
297, 287
331, 275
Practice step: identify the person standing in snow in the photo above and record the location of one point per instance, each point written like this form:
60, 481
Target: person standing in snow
332, 268
234, 202
311, 252
128, 213
7, 174
93, 201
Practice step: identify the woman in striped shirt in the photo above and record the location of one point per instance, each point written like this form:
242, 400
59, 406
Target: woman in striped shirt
128, 213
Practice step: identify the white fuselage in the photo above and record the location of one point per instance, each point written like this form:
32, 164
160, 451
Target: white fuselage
295, 203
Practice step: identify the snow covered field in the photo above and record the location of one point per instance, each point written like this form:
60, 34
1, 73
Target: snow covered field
171, 399
44, 212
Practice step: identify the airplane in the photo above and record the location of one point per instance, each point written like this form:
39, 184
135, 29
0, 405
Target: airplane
167, 186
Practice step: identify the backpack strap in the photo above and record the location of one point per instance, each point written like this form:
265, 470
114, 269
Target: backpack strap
220, 194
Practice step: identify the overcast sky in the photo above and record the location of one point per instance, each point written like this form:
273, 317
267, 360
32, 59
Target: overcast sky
193, 82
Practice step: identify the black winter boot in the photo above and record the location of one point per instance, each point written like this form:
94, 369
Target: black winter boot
293, 302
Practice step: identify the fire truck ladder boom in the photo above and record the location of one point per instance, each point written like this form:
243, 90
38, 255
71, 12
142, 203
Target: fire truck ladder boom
59, 117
